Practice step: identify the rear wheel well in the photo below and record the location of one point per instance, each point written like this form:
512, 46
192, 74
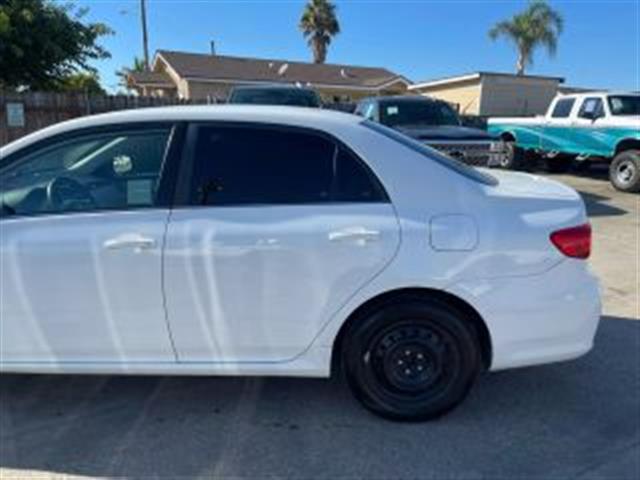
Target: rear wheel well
508, 137
627, 144
397, 296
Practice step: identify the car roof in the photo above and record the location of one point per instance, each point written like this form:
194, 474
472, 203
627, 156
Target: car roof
328, 120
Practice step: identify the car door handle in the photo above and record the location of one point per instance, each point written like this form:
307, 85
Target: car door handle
130, 240
360, 234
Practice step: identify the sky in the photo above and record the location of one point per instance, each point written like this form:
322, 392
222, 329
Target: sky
420, 39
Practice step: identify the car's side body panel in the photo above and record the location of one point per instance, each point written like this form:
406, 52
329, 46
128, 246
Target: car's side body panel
595, 140
284, 260
573, 134
71, 294
257, 283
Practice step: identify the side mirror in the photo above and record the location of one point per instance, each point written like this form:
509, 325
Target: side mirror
594, 114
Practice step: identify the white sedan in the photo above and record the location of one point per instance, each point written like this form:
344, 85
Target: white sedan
245, 240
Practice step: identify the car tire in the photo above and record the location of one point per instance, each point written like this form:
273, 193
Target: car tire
624, 171
411, 360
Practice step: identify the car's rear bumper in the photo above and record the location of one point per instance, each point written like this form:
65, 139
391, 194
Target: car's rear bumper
538, 319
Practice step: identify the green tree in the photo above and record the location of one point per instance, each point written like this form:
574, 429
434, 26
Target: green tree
319, 25
538, 25
42, 42
81, 82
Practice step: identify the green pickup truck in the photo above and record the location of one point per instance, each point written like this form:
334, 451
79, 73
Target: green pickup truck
580, 127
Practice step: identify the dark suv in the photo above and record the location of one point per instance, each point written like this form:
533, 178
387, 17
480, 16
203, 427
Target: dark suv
275, 95
435, 123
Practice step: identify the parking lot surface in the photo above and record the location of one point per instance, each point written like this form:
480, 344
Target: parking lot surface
578, 419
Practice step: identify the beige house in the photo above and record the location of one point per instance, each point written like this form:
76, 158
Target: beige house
493, 94
210, 77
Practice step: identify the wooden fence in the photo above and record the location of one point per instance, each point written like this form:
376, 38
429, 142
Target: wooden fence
23, 113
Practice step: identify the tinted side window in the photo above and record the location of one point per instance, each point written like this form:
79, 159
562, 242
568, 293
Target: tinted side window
271, 166
591, 108
240, 166
563, 108
117, 170
355, 182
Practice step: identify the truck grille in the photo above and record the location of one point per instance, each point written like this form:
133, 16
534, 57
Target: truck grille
473, 153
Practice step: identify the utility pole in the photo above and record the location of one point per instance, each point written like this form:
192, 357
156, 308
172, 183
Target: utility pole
145, 38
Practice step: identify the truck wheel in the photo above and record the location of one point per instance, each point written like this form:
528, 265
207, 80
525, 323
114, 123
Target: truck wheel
624, 171
514, 157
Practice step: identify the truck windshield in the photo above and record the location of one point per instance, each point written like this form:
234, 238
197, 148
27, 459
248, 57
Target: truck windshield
624, 104
405, 113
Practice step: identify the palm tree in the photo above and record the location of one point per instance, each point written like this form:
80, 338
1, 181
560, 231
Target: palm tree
538, 25
139, 65
319, 25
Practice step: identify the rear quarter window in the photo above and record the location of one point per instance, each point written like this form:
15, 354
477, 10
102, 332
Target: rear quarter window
431, 154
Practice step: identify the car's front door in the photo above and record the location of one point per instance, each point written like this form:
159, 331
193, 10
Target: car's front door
588, 128
81, 235
282, 227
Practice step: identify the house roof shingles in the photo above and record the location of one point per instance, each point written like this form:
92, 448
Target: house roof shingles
150, 78
219, 67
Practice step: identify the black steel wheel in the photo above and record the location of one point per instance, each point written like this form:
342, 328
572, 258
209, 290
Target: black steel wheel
412, 360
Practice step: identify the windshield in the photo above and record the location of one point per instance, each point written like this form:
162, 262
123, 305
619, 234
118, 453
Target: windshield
432, 154
293, 97
624, 104
419, 112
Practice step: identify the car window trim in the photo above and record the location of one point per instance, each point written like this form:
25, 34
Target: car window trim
183, 189
169, 165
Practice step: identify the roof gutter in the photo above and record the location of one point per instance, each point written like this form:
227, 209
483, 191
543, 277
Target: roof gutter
293, 82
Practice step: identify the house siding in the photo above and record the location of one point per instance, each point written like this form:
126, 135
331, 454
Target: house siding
496, 95
512, 96
199, 91
466, 95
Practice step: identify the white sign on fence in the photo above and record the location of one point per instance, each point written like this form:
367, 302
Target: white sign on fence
15, 114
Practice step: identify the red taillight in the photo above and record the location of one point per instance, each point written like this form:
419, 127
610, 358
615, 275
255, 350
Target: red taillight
574, 242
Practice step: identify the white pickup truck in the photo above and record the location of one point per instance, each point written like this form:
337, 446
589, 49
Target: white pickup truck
582, 127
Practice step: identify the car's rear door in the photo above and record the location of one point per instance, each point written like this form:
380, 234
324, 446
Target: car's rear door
281, 227
82, 227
